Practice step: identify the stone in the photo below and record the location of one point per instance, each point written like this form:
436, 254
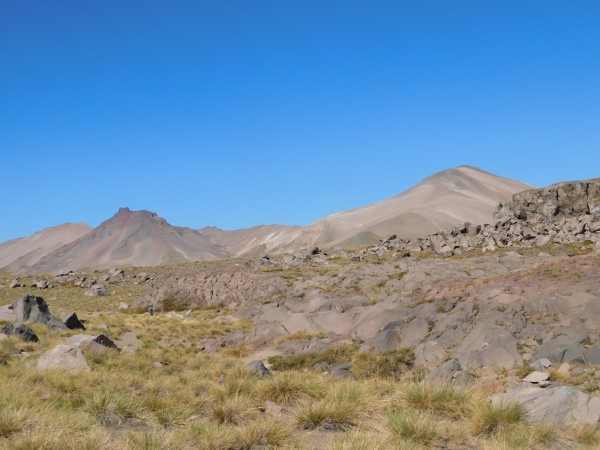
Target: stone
563, 348
14, 284
97, 290
445, 371
592, 355
123, 305
564, 369
29, 308
560, 405
536, 377
21, 331
429, 354
105, 342
64, 357
343, 370
73, 323
258, 368
541, 364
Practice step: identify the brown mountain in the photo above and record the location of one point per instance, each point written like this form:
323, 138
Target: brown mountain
141, 238
17, 254
137, 238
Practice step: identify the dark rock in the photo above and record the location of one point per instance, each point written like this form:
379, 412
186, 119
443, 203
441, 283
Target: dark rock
105, 341
23, 332
259, 369
73, 323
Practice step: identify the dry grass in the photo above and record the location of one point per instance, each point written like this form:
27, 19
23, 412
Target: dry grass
204, 400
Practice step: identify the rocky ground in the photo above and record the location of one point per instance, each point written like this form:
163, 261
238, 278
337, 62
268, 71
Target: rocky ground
475, 337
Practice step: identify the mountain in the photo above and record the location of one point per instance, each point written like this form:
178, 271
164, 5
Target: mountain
18, 254
445, 199
254, 240
141, 238
137, 238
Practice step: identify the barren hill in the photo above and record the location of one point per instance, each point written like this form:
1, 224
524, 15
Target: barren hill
141, 238
138, 238
27, 251
445, 199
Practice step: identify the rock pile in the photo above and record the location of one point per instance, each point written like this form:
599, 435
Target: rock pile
558, 214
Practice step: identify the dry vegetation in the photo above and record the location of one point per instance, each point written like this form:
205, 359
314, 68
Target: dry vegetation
193, 399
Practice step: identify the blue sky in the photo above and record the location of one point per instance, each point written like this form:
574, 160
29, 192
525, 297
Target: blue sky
237, 113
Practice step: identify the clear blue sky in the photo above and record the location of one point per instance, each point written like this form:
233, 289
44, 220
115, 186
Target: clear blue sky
237, 113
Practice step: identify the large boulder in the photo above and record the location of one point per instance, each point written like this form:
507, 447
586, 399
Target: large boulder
64, 357
565, 346
29, 308
561, 405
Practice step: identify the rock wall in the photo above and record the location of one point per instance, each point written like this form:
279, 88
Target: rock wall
568, 199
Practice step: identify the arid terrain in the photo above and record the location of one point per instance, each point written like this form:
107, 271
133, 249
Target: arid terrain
473, 336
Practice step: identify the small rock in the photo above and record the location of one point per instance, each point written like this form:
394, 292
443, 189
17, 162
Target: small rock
564, 369
259, 369
577, 371
123, 305
537, 377
343, 370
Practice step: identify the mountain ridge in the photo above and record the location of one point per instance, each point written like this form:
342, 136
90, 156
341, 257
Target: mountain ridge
142, 238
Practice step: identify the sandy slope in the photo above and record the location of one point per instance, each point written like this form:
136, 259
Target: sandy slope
445, 199
19, 253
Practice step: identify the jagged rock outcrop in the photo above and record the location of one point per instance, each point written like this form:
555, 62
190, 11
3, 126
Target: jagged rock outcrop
567, 199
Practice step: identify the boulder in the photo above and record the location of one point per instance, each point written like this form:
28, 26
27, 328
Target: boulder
537, 377
64, 357
29, 308
429, 355
343, 370
564, 347
446, 371
561, 405
259, 369
21, 331
73, 323
97, 291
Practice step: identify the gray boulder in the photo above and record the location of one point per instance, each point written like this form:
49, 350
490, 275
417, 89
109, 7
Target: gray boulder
21, 331
561, 405
259, 369
30, 308
446, 371
64, 357
564, 347
343, 370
